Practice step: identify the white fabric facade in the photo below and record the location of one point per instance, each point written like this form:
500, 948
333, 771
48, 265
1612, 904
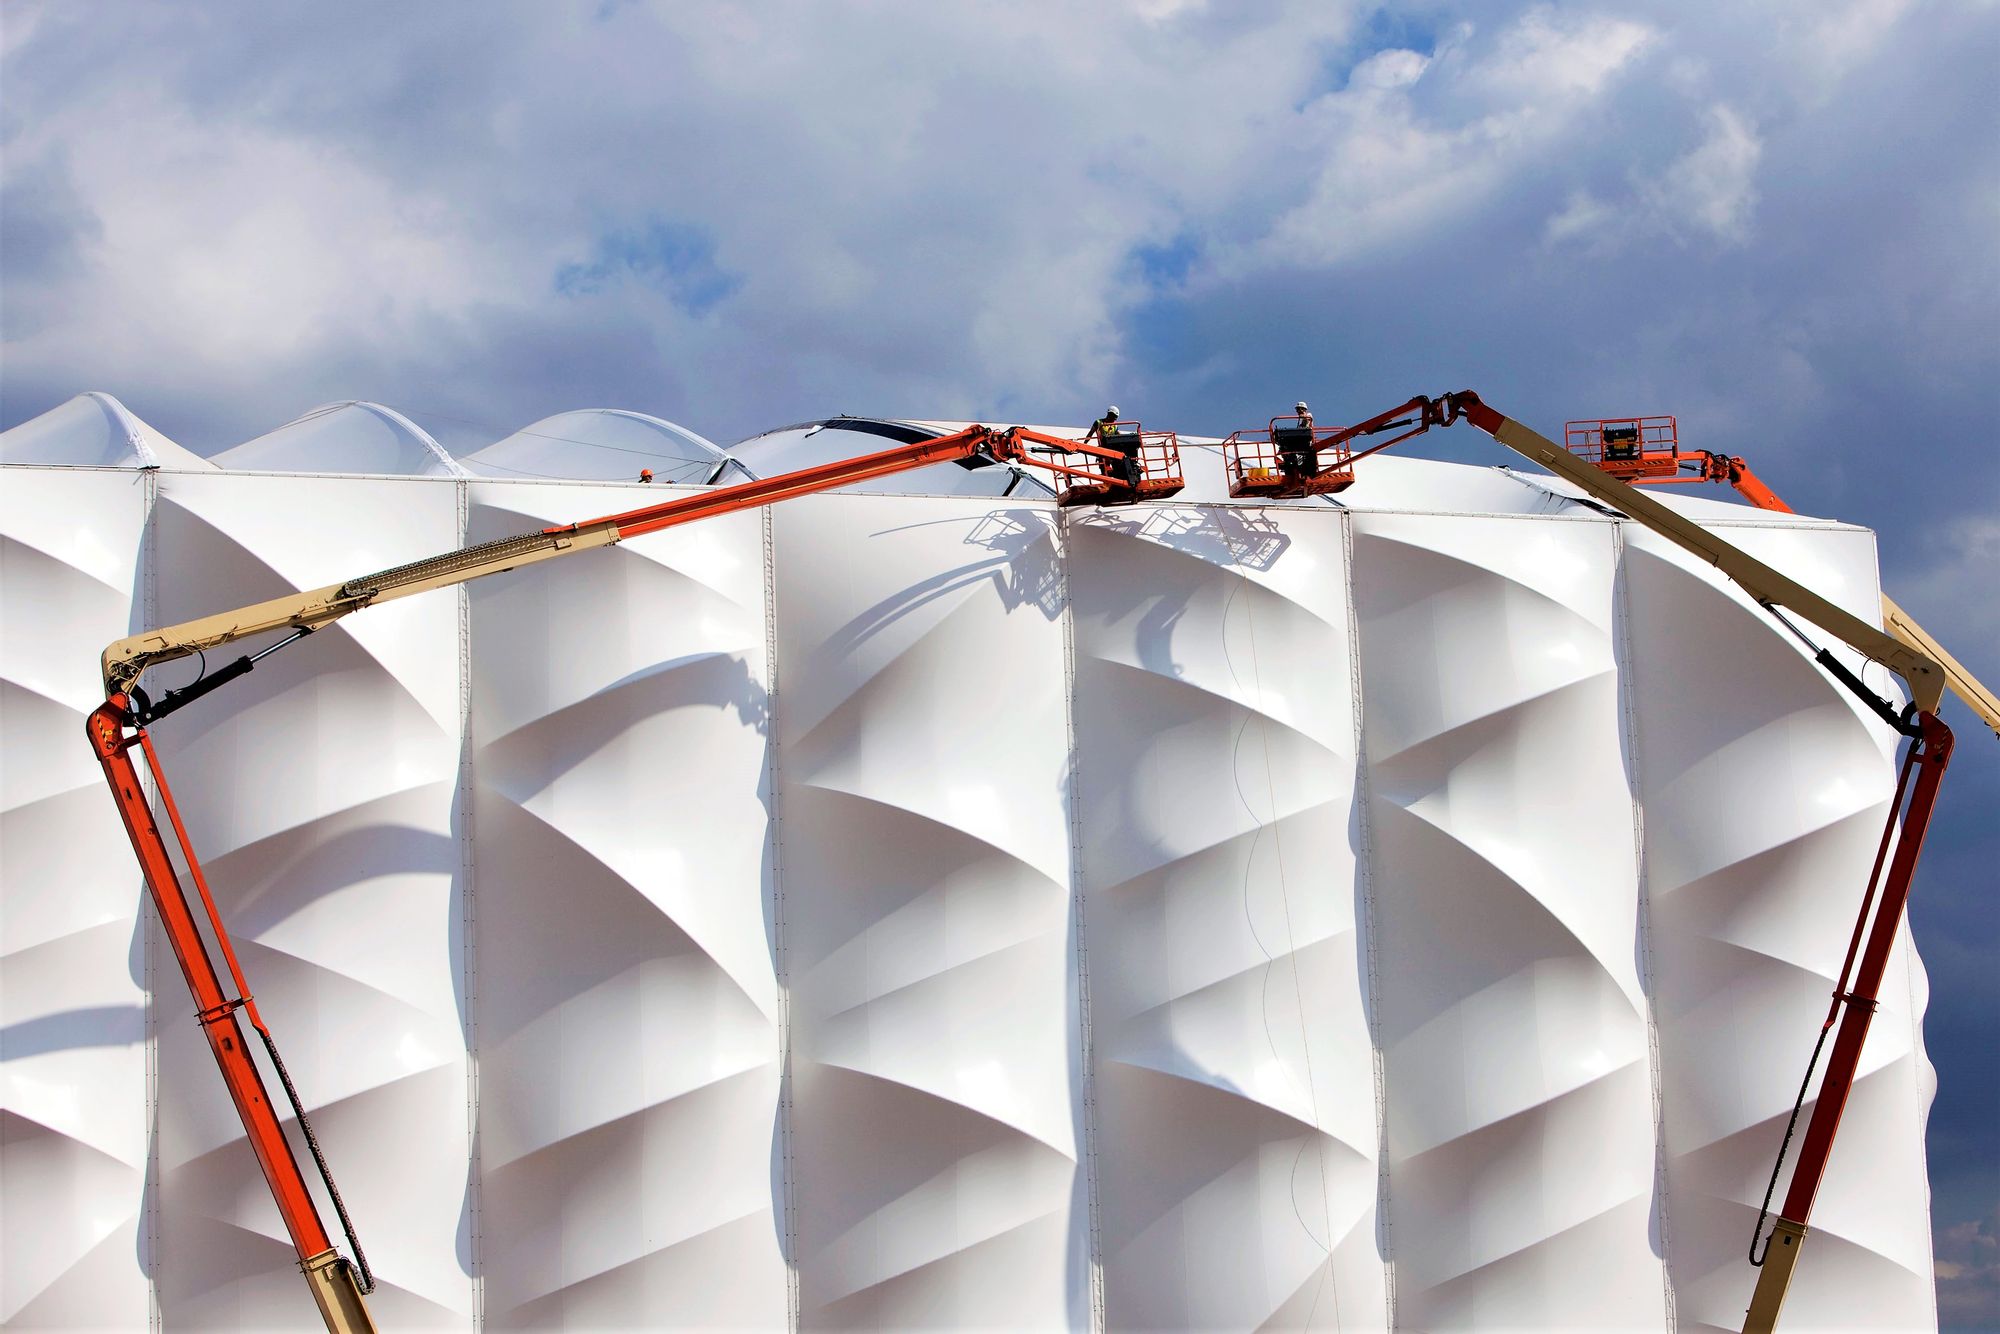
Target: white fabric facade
946, 911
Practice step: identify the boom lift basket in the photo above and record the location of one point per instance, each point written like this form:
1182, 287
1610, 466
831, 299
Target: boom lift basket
1629, 448
1131, 463
1289, 457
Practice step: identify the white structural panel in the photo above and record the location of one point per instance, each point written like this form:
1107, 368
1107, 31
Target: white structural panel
941, 912
626, 1001
927, 932
1764, 789
1503, 872
1235, 1085
75, 1092
322, 797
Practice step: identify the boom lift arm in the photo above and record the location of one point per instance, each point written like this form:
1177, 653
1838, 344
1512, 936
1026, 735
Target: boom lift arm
1645, 451
1854, 996
1138, 465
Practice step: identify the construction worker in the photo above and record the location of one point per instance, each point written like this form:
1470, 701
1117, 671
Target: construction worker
1297, 458
1108, 430
645, 474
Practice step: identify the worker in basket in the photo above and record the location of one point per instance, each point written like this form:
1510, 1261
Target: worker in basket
1297, 458
1112, 433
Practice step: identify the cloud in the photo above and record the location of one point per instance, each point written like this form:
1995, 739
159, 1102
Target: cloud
1395, 159
1554, 58
1708, 194
1968, 1270
1833, 38
1775, 221
1712, 190
944, 206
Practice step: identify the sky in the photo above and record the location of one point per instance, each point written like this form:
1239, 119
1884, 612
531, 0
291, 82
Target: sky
1778, 221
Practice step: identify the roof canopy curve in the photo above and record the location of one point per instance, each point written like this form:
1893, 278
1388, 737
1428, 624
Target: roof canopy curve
603, 445
345, 437
93, 430
807, 444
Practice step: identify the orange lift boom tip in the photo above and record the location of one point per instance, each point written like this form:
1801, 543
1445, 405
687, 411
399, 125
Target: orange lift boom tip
1288, 457
1646, 451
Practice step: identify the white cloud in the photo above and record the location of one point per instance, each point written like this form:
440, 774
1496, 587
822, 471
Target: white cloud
1708, 194
1392, 169
1554, 57
1583, 217
1393, 68
1712, 190
944, 208
1834, 36
950, 199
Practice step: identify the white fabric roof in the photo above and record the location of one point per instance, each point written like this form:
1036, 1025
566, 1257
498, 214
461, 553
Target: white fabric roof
612, 445
349, 437
93, 430
601, 445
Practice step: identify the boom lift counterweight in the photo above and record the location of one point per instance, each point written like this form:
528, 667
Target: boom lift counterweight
1134, 467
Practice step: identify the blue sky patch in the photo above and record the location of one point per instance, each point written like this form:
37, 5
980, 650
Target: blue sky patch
1383, 30
673, 257
1167, 265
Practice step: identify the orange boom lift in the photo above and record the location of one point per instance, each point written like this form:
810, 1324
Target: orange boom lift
1646, 451
1608, 460
1134, 465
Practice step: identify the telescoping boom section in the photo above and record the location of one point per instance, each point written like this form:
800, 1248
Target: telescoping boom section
1131, 466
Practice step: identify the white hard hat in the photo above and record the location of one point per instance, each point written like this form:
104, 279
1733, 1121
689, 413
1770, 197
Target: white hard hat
1300, 407
1111, 411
